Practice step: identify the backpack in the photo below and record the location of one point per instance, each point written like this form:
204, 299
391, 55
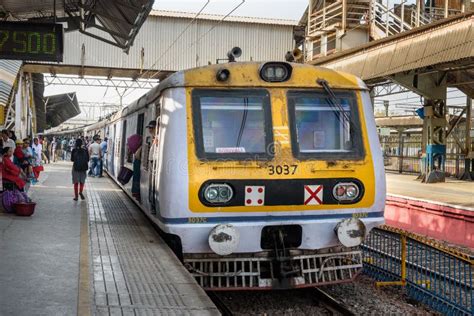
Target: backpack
81, 159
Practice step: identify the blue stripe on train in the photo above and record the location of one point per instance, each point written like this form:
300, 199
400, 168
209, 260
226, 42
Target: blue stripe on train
186, 220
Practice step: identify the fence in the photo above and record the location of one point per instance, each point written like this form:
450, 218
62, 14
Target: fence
433, 273
403, 154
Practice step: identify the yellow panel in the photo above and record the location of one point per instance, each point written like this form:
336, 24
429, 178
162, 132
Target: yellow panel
200, 171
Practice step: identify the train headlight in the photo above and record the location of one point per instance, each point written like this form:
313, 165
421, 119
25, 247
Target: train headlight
275, 72
224, 239
347, 191
211, 194
350, 232
218, 193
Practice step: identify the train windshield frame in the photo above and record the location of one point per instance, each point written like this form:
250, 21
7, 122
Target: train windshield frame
232, 124
322, 128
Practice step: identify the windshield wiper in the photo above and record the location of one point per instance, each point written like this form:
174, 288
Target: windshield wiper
332, 100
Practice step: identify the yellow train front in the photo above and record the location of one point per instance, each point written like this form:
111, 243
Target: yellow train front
269, 175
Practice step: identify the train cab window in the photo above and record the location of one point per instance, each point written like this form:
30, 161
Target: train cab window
322, 128
233, 124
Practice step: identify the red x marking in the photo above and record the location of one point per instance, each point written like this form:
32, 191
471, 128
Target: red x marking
312, 195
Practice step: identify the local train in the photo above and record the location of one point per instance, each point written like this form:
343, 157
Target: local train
261, 175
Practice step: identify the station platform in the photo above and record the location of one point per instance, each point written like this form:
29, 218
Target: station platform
100, 256
443, 211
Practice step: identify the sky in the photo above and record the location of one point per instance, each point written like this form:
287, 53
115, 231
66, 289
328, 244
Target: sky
280, 9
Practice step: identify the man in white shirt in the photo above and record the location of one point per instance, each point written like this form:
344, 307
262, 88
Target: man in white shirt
7, 141
95, 156
38, 148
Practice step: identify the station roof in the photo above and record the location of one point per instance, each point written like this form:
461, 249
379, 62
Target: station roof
446, 42
61, 107
219, 17
120, 19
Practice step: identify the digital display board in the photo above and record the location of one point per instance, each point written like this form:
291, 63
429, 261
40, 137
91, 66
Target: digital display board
31, 41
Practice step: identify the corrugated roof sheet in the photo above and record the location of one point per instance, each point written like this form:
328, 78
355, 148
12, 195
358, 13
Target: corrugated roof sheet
218, 17
449, 40
60, 108
8, 72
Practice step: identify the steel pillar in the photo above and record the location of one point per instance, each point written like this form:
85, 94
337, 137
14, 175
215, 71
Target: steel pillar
433, 87
468, 154
434, 137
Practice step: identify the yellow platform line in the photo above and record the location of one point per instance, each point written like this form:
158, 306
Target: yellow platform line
84, 294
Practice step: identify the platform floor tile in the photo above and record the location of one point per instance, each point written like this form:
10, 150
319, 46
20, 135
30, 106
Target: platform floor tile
133, 271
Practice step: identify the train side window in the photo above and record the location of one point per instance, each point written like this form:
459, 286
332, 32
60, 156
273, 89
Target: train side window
141, 124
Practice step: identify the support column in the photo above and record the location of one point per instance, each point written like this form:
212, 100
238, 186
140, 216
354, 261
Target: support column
400, 149
468, 154
435, 132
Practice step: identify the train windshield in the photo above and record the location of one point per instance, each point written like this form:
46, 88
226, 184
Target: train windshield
325, 126
232, 123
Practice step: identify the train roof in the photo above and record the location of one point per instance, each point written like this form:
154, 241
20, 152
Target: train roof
243, 75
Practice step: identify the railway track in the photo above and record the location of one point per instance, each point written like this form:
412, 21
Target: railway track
323, 302
334, 306
433, 273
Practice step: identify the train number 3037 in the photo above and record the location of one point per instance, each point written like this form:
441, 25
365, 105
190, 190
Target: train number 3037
282, 169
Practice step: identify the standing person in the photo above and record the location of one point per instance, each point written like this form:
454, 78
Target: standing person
103, 151
59, 153
64, 147
54, 143
86, 142
80, 159
151, 157
95, 156
45, 150
7, 141
37, 150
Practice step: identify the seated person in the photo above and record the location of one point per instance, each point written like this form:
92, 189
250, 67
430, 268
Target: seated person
11, 173
18, 156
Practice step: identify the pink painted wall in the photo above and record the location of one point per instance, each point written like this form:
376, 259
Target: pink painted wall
438, 221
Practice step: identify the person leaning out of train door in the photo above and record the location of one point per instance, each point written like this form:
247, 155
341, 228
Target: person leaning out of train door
152, 125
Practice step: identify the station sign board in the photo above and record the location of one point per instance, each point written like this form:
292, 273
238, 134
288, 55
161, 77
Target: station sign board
31, 41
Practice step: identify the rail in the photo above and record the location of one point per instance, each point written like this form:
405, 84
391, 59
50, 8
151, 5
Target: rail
333, 305
433, 273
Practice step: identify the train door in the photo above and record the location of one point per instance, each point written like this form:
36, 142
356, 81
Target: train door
123, 143
153, 195
111, 150
138, 158
106, 154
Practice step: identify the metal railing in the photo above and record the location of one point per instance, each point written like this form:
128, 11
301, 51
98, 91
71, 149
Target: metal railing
433, 273
387, 21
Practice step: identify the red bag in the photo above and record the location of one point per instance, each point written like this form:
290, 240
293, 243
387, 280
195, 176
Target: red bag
134, 142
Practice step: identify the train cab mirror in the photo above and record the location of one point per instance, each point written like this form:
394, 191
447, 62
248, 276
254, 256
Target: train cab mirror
275, 72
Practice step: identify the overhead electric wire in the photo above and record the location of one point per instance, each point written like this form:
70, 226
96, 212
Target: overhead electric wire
175, 40
208, 31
